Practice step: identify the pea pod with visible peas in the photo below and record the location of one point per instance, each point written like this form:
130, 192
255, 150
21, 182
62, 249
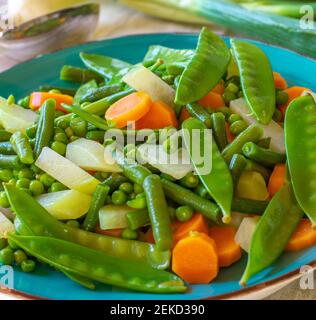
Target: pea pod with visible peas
22, 147
300, 121
256, 79
217, 180
98, 266
273, 232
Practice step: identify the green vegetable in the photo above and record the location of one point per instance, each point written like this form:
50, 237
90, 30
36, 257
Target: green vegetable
100, 93
265, 157
22, 147
99, 266
190, 181
273, 232
282, 97
36, 187
61, 137
23, 183
137, 219
68, 91
139, 202
129, 234
79, 75
200, 113
249, 206
238, 127
233, 118
4, 202
184, 213
264, 143
46, 180
6, 256
6, 147
83, 90
300, 120
19, 256
184, 196
10, 162
237, 166
57, 186
45, 130
114, 181
96, 136
126, 187
219, 130
158, 212
59, 147
205, 69
6, 175
119, 197
213, 172
256, 79
78, 126
5, 135
73, 223
3, 243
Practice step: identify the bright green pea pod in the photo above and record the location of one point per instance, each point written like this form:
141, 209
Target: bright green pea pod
205, 69
300, 142
36, 219
218, 180
84, 89
256, 78
99, 266
22, 147
273, 232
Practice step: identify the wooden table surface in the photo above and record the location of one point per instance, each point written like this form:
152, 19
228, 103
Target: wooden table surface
116, 20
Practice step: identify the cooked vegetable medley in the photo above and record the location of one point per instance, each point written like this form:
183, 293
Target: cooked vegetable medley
155, 176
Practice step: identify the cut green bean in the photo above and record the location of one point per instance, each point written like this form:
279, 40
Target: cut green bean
5, 135
6, 147
249, 206
100, 93
22, 147
198, 112
10, 162
137, 219
219, 130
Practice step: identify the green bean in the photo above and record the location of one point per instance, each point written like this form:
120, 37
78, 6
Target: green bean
114, 181
184, 196
68, 91
249, 206
219, 130
237, 166
267, 158
282, 97
158, 212
264, 143
83, 90
184, 213
45, 130
256, 79
101, 92
7, 148
98, 200
10, 162
190, 181
198, 112
4, 135
22, 147
238, 127
253, 133
79, 75
273, 232
96, 136
202, 192
137, 219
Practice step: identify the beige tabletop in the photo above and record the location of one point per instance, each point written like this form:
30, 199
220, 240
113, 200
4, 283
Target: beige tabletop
116, 20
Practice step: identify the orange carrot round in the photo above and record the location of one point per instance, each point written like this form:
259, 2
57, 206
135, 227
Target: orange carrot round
130, 108
277, 179
159, 116
303, 237
228, 250
38, 98
212, 100
279, 81
195, 259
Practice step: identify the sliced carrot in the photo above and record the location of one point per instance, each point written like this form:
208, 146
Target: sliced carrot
293, 92
184, 115
196, 223
277, 179
280, 82
230, 137
228, 250
195, 259
159, 116
129, 109
212, 100
111, 233
219, 88
303, 237
38, 98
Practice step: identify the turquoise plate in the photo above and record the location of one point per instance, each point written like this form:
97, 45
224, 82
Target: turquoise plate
26, 77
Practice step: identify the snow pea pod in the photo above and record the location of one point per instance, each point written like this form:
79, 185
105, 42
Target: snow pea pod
300, 142
78, 75
99, 266
273, 232
84, 89
256, 79
35, 218
95, 94
218, 181
205, 70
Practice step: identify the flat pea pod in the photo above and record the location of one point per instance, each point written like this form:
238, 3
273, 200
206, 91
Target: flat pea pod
217, 178
83, 90
37, 220
10, 162
22, 147
253, 133
219, 130
98, 199
300, 139
249, 206
267, 158
5, 135
45, 128
187, 197
256, 79
99, 266
6, 148
100, 93
206, 68
158, 212
273, 232
198, 112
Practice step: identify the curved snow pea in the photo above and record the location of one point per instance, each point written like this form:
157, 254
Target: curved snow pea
273, 232
104, 66
218, 180
300, 142
99, 266
83, 90
158, 212
206, 68
35, 218
256, 79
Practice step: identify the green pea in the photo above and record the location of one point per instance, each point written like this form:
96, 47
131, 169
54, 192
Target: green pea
69, 132
26, 191
225, 111
19, 256
234, 117
138, 188
35, 169
28, 265
190, 181
23, 183
54, 91
11, 99
78, 126
105, 175
129, 234
6, 256
119, 197
73, 223
31, 131
3, 243
237, 127
12, 182
282, 97
16, 173
36, 187
46, 179
61, 137
58, 130
4, 202
57, 186
24, 102
26, 173
59, 147
228, 97
232, 87
277, 116
126, 187
63, 124
184, 213
137, 203
6, 175
132, 196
